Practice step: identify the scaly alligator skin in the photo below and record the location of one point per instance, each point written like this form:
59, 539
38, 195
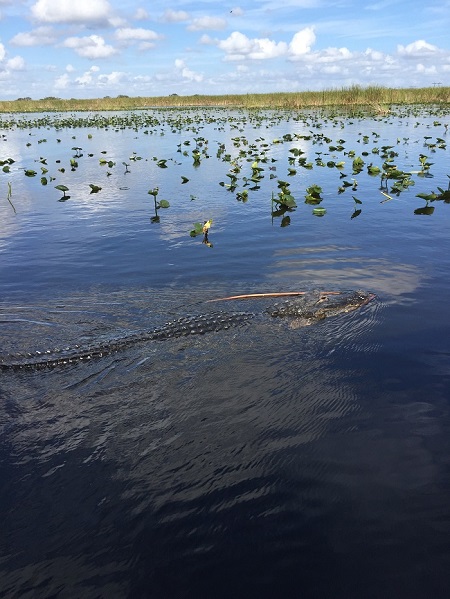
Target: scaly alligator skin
306, 309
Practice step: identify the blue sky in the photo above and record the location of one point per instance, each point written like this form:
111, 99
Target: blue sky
96, 48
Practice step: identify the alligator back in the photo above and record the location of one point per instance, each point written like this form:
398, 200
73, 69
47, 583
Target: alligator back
181, 327
306, 309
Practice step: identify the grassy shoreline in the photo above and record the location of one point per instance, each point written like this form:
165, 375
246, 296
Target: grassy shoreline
378, 98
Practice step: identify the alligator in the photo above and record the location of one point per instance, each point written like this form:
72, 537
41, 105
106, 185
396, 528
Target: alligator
305, 309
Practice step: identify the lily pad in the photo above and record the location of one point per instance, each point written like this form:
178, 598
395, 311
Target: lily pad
319, 211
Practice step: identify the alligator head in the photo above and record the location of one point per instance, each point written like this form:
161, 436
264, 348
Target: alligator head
316, 305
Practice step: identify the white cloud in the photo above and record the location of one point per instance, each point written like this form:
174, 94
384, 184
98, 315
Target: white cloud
141, 14
139, 34
331, 70
92, 46
421, 68
71, 11
330, 55
2, 51
117, 22
90, 79
206, 40
87, 77
62, 82
301, 42
143, 46
374, 54
186, 73
70, 68
201, 23
42, 36
114, 78
238, 47
16, 63
236, 11
417, 49
175, 16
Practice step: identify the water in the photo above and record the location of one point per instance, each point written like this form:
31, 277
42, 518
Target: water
263, 461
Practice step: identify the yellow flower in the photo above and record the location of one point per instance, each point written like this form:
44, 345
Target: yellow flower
207, 225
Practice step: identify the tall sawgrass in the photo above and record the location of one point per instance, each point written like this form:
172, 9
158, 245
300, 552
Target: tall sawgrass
377, 97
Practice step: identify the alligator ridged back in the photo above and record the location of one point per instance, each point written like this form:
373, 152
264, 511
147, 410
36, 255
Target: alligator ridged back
310, 307
181, 327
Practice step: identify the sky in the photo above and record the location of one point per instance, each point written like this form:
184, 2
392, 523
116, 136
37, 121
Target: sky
98, 48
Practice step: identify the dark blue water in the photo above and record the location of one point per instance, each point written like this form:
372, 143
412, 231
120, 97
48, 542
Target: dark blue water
257, 462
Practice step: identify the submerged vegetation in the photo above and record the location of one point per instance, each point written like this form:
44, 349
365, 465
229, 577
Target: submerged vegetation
377, 97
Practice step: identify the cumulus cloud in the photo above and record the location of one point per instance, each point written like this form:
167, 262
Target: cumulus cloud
238, 47
417, 49
42, 36
302, 42
70, 11
62, 82
113, 78
332, 55
207, 40
186, 73
374, 54
136, 34
175, 16
202, 23
141, 15
421, 68
143, 46
117, 22
87, 77
16, 63
92, 46
90, 79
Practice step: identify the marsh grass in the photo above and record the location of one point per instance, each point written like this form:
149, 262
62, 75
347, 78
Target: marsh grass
377, 98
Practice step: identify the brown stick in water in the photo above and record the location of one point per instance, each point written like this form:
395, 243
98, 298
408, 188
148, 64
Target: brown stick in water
261, 295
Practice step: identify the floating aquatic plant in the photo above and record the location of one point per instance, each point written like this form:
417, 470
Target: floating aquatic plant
63, 188
161, 204
424, 210
6, 164
202, 229
425, 166
249, 158
313, 194
319, 211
